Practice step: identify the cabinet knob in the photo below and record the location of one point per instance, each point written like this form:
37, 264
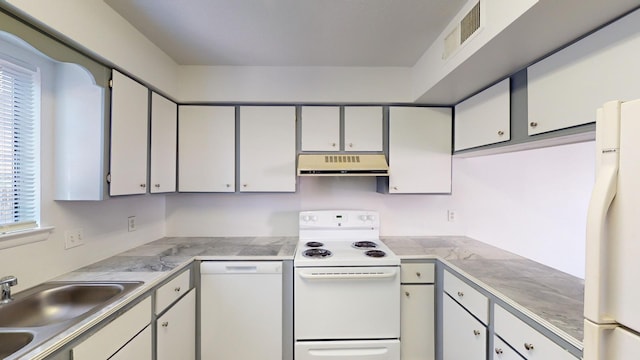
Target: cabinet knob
177, 289
350, 145
499, 351
244, 185
528, 346
228, 185
533, 124
157, 185
333, 144
418, 274
165, 324
395, 188
500, 132
476, 332
460, 293
407, 294
143, 185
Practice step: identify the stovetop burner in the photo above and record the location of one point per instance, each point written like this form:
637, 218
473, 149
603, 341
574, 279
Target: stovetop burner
364, 245
314, 244
375, 253
317, 253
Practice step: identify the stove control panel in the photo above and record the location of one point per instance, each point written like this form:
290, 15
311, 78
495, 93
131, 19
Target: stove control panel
339, 219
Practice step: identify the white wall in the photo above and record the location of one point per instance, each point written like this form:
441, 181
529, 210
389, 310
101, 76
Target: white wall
294, 84
533, 203
100, 30
276, 214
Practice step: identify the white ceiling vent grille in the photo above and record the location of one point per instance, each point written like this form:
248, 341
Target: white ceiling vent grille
470, 23
463, 30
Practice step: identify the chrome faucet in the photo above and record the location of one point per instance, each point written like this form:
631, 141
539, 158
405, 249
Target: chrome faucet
5, 285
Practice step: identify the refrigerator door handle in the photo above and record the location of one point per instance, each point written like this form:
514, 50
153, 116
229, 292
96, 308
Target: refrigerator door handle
603, 193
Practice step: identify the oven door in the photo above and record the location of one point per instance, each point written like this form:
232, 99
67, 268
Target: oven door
352, 350
333, 303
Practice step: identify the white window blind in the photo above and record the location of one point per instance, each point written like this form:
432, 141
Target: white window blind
19, 114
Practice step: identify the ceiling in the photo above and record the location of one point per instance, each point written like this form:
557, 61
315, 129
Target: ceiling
291, 32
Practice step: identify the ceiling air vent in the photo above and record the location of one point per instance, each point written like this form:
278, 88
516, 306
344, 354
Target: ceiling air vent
470, 23
463, 30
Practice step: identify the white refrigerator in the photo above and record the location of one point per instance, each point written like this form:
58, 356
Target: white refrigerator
612, 281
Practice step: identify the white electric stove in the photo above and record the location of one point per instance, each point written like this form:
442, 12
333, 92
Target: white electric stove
346, 288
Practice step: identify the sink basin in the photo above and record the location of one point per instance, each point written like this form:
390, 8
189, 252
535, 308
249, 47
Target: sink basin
39, 313
11, 342
55, 302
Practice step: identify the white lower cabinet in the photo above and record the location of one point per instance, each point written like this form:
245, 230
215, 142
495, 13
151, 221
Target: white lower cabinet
464, 337
137, 348
113, 337
526, 340
176, 330
502, 351
417, 320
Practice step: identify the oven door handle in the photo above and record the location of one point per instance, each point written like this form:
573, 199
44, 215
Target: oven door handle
347, 275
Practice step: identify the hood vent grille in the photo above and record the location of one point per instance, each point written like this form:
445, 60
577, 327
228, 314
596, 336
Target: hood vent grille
342, 165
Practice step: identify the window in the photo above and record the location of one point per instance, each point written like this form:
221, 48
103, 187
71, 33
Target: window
19, 154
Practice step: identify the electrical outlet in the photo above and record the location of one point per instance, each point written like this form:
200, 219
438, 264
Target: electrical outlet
451, 215
73, 238
131, 223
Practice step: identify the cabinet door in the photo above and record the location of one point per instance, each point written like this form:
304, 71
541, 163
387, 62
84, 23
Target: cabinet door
320, 128
502, 351
484, 118
419, 150
417, 318
129, 136
267, 149
176, 330
139, 348
464, 337
206, 149
164, 136
363, 128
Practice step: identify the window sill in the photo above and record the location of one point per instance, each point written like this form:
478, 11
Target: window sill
23, 237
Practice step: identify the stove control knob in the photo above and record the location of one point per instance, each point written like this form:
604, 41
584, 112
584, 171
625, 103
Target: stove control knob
371, 217
363, 217
314, 218
306, 218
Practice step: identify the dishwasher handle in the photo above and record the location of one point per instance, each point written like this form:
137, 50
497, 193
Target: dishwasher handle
345, 275
240, 267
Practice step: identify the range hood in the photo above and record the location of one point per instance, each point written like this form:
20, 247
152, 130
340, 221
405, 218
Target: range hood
342, 165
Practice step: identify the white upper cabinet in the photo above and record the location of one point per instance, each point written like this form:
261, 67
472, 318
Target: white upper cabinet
206, 149
566, 88
363, 128
267, 149
164, 135
320, 127
419, 150
129, 136
484, 118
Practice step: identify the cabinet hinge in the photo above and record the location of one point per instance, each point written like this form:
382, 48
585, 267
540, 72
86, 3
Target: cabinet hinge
111, 83
109, 178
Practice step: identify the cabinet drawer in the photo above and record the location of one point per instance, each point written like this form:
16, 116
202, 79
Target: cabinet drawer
171, 291
417, 273
502, 351
470, 298
525, 339
106, 341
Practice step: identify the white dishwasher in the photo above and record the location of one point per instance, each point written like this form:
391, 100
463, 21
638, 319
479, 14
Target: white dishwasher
241, 310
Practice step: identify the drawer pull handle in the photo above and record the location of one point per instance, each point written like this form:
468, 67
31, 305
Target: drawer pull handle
407, 294
499, 351
177, 289
460, 293
165, 324
418, 274
528, 346
476, 332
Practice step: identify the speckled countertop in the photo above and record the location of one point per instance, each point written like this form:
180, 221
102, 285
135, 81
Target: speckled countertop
553, 296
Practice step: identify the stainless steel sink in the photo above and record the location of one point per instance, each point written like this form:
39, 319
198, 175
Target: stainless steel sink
11, 342
37, 314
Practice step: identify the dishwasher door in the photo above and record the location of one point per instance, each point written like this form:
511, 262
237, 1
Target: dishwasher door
241, 310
